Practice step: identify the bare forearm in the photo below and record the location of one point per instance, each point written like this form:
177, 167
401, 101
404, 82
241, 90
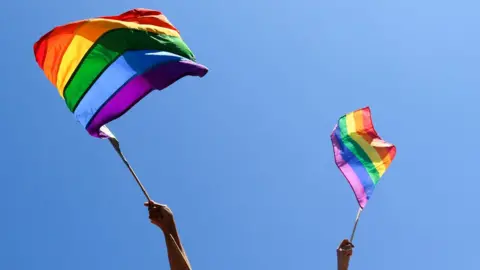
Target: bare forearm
172, 230
176, 257
342, 267
162, 216
176, 254
344, 252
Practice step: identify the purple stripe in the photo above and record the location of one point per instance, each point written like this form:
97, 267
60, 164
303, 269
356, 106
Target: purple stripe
349, 174
355, 163
159, 78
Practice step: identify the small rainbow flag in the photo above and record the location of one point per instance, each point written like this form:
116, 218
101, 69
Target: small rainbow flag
360, 154
103, 66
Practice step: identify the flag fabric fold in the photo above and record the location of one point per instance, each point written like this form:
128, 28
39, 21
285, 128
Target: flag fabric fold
360, 154
103, 66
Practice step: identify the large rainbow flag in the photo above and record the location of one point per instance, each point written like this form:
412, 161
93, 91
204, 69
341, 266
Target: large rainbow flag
103, 66
360, 154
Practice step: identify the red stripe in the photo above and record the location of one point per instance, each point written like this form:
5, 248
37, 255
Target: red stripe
143, 16
40, 49
42, 45
386, 153
57, 40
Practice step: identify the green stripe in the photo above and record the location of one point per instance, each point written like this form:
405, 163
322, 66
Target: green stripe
357, 150
108, 48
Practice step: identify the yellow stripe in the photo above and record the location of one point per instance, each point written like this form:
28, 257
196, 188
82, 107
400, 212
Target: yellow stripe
57, 45
371, 152
87, 35
351, 127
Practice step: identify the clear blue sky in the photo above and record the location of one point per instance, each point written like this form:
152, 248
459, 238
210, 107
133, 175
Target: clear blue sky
243, 156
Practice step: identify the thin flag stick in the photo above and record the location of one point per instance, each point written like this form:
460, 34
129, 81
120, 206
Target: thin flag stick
116, 145
356, 222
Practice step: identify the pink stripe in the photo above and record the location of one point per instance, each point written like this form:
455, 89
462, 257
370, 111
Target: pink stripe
350, 175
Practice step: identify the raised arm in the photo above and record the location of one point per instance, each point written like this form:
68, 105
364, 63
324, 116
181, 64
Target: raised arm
162, 216
344, 252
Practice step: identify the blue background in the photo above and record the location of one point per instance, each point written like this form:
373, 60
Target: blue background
243, 155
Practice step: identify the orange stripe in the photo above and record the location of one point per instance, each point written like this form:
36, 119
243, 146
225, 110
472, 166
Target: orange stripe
358, 116
50, 49
387, 154
57, 45
54, 44
85, 38
384, 152
360, 125
364, 125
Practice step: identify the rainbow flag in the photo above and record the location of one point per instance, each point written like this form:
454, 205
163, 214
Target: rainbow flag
360, 154
103, 66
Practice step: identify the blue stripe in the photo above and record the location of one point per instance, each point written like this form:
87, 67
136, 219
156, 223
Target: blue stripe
356, 165
127, 66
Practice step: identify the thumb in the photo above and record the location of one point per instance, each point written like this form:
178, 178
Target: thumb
149, 204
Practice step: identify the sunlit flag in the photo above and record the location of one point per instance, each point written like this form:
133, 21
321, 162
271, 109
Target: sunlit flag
360, 154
